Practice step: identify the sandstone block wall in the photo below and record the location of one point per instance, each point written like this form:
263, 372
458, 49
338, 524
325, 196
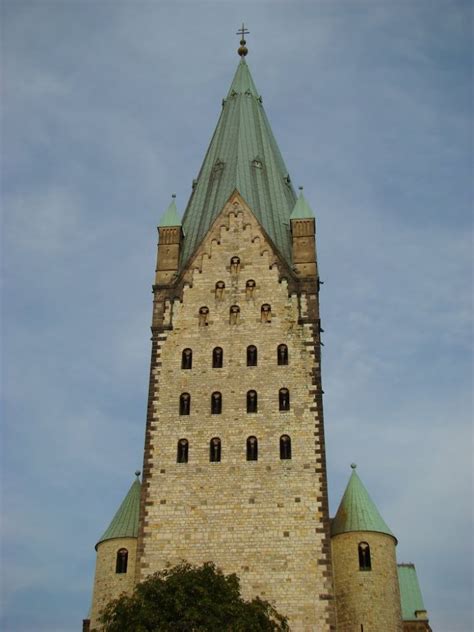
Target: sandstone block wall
266, 520
366, 598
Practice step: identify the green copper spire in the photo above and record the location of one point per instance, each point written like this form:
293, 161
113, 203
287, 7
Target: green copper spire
302, 209
357, 511
243, 156
125, 522
171, 217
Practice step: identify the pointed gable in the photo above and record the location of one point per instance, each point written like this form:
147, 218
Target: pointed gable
125, 522
302, 209
410, 593
171, 216
357, 511
243, 156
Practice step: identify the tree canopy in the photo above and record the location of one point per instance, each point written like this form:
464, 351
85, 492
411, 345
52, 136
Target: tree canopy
188, 598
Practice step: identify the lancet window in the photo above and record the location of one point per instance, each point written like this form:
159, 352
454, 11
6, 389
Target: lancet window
266, 313
285, 447
251, 355
215, 450
365, 563
217, 358
184, 404
282, 354
284, 399
252, 449
252, 401
187, 359
216, 403
121, 561
182, 452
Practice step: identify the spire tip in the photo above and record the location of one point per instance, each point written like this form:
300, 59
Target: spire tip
242, 50
353, 466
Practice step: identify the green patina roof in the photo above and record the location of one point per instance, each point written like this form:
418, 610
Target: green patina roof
357, 511
125, 522
243, 156
171, 217
410, 593
302, 209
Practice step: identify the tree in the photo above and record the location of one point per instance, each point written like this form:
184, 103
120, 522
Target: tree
189, 598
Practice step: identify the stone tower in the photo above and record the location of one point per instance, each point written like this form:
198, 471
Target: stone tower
234, 466
364, 565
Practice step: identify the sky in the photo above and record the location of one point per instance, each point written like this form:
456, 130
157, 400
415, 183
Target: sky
107, 109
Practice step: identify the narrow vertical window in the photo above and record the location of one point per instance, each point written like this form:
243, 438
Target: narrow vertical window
215, 450
282, 355
187, 359
216, 403
284, 399
252, 449
266, 313
235, 265
249, 288
121, 562
251, 355
220, 286
217, 358
285, 447
234, 315
364, 557
203, 316
182, 454
184, 404
252, 401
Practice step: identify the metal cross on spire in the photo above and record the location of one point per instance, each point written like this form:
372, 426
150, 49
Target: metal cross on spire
243, 50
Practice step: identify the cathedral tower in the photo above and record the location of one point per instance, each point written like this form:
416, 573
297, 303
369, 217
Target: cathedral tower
234, 466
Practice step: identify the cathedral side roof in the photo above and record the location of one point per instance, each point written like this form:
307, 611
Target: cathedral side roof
357, 511
244, 156
125, 522
410, 593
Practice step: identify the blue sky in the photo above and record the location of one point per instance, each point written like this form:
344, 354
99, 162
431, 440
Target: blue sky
108, 108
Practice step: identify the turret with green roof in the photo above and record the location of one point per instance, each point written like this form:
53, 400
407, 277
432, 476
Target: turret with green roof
357, 510
171, 216
125, 522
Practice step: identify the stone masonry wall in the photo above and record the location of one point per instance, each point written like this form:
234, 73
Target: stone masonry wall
108, 584
366, 598
266, 520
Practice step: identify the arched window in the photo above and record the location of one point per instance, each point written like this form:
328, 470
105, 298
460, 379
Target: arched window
285, 447
282, 354
184, 404
215, 450
235, 265
216, 403
251, 355
266, 313
203, 316
220, 286
182, 455
364, 557
234, 315
252, 401
121, 561
249, 288
217, 358
252, 449
187, 359
284, 399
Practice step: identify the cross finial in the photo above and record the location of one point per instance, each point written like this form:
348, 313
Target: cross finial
243, 50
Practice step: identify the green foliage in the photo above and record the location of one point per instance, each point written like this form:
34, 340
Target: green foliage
189, 598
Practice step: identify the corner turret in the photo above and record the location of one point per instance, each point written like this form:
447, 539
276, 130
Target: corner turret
116, 555
365, 565
170, 236
303, 238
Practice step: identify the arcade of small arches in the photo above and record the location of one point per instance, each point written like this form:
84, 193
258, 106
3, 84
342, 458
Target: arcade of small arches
215, 449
